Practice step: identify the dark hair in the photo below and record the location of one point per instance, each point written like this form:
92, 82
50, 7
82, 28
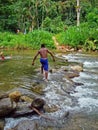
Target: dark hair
42, 45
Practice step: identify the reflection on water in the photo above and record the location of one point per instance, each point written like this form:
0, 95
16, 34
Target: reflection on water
18, 72
12, 70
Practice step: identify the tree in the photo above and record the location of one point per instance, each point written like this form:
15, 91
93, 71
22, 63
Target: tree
78, 12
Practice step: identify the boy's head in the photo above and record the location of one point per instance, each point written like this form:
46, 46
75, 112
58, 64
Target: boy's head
42, 45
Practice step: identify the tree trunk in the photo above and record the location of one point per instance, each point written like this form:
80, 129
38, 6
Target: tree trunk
78, 12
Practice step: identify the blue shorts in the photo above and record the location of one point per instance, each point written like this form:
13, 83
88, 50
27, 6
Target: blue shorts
44, 63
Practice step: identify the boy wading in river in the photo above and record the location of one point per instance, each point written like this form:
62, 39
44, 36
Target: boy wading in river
43, 52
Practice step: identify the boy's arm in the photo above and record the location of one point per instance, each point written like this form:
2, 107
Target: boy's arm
35, 58
51, 55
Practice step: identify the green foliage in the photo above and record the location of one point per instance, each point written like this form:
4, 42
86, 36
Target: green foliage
53, 25
37, 37
73, 36
11, 40
91, 45
76, 36
33, 14
92, 18
43, 18
22, 41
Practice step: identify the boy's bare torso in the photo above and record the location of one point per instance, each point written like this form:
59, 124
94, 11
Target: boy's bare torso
43, 52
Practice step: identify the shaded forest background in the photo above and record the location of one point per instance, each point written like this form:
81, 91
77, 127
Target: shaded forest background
42, 19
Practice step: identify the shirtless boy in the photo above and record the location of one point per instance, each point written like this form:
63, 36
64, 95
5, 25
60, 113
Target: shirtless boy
43, 52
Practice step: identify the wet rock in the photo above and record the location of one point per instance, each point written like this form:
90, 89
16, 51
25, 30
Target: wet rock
65, 115
5, 107
49, 109
46, 122
2, 124
38, 103
51, 71
26, 99
3, 95
77, 68
72, 75
7, 110
38, 89
65, 68
35, 83
26, 125
22, 110
68, 90
78, 84
25, 109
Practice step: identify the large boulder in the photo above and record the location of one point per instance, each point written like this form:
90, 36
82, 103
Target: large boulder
38, 103
5, 107
25, 125
72, 75
77, 68
26, 108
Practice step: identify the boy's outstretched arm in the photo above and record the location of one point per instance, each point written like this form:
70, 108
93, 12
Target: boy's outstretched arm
35, 58
51, 55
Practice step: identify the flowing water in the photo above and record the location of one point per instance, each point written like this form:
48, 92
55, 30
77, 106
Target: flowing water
87, 94
82, 105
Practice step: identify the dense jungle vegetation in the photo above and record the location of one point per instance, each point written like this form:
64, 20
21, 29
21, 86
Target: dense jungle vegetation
28, 23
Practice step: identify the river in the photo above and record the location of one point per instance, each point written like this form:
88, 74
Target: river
83, 110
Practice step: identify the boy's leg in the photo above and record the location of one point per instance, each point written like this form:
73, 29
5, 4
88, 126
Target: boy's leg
46, 75
44, 68
41, 69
